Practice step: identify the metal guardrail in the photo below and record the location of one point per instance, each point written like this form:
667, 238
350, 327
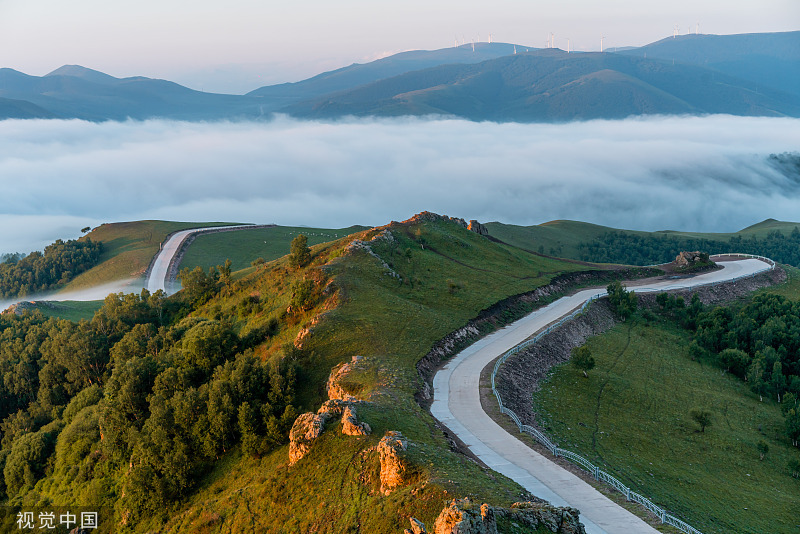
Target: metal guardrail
556, 451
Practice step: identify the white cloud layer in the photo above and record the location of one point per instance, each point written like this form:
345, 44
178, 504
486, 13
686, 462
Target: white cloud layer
706, 173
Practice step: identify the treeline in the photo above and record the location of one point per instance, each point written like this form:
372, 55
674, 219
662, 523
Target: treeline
37, 272
759, 342
129, 409
633, 249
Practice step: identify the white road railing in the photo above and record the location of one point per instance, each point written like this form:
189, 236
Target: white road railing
556, 451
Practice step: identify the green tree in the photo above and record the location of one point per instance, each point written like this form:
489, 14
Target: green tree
622, 301
303, 295
299, 253
582, 359
794, 464
792, 423
735, 361
702, 417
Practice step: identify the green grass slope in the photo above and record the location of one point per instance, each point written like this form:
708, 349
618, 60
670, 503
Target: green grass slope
443, 276
631, 417
128, 248
244, 246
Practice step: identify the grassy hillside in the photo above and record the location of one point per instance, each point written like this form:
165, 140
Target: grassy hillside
128, 248
244, 246
447, 275
631, 416
582, 241
387, 298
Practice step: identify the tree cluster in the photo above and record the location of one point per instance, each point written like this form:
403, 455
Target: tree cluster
136, 401
623, 302
758, 342
37, 272
635, 249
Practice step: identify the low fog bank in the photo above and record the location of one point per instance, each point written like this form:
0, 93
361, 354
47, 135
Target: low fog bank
708, 173
133, 285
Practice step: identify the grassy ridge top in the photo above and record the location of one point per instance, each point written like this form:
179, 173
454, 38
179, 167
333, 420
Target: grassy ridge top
398, 290
128, 248
244, 246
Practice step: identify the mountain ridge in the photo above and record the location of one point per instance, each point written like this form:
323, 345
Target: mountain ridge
745, 74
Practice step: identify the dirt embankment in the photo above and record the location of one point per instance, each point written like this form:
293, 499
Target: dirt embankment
522, 373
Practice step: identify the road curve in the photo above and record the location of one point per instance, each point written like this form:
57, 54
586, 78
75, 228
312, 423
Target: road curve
159, 271
457, 405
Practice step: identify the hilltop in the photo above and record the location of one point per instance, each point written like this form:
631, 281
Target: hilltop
378, 300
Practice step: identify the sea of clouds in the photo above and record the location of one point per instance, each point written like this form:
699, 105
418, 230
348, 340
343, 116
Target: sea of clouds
681, 173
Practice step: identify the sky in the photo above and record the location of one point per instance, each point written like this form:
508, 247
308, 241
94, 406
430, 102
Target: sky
240, 45
679, 173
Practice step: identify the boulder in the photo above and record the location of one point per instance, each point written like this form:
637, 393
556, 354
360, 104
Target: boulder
478, 228
393, 463
417, 527
306, 428
335, 379
544, 515
464, 517
350, 424
687, 259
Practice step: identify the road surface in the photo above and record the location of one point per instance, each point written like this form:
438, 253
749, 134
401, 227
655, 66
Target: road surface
159, 273
457, 405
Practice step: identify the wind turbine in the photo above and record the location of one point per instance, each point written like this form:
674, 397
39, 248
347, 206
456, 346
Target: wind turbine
567, 45
675, 31
601, 43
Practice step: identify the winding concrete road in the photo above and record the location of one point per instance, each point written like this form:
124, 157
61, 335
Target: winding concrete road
159, 272
457, 405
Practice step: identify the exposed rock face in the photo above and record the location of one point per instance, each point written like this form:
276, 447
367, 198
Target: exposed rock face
306, 428
537, 515
351, 426
338, 374
478, 228
430, 216
358, 244
417, 527
687, 259
393, 464
464, 517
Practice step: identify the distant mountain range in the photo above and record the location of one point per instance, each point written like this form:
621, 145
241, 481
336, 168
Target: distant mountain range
749, 74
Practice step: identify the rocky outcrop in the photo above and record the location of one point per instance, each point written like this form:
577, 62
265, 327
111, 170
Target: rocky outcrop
417, 527
464, 517
478, 228
358, 244
309, 426
394, 467
338, 376
350, 424
433, 217
689, 259
544, 515
306, 428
